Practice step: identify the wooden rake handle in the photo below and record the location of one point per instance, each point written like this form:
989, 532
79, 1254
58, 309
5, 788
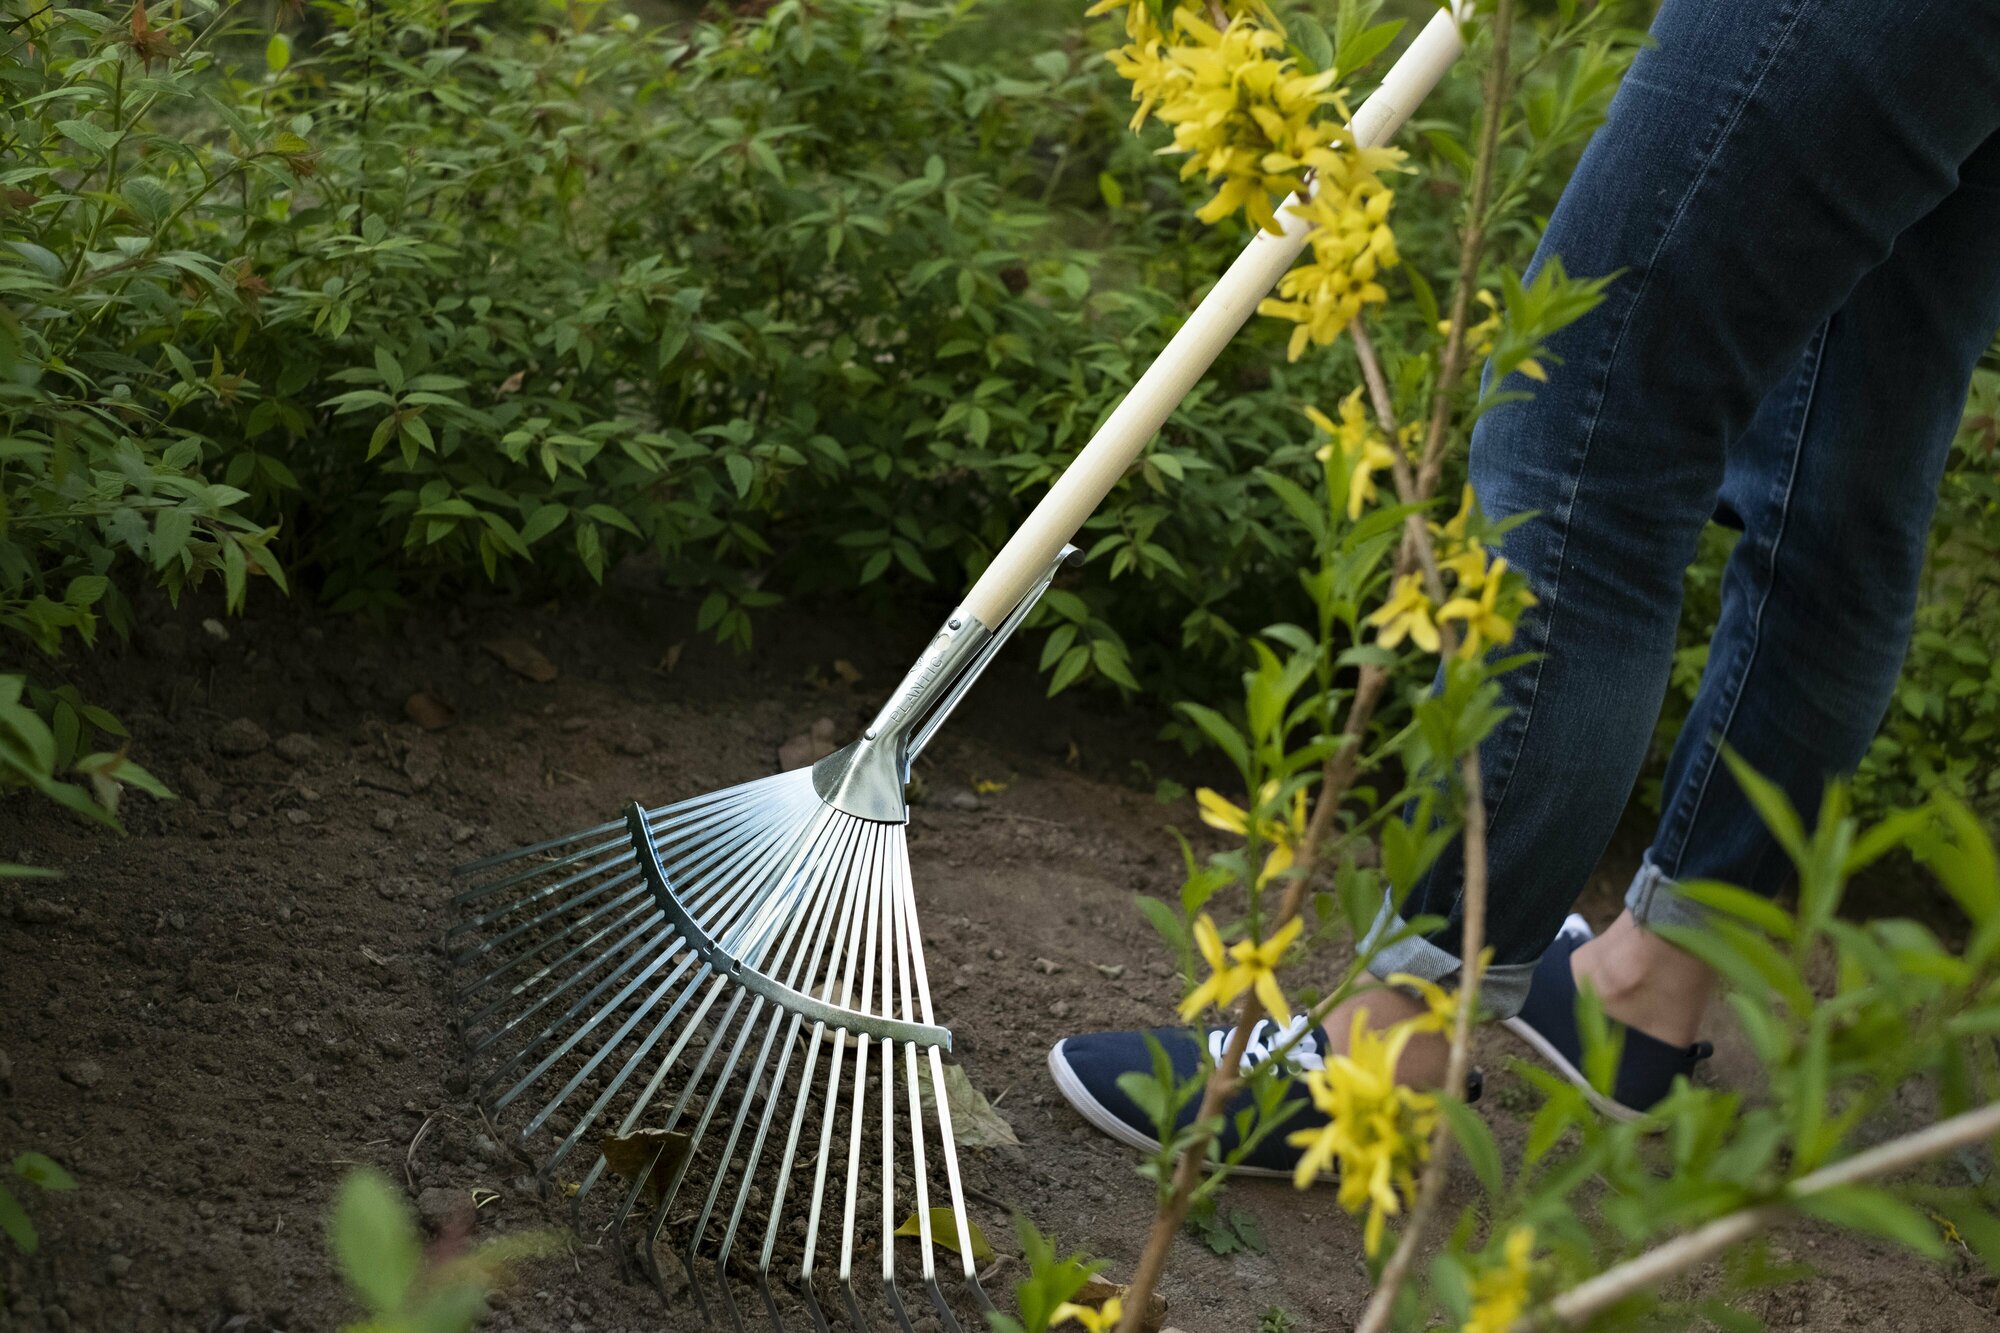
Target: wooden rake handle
1125, 433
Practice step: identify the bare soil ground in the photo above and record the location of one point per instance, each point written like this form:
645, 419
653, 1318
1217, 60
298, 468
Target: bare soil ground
211, 1020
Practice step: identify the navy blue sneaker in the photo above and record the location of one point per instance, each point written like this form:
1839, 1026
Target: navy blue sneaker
1647, 1066
1086, 1070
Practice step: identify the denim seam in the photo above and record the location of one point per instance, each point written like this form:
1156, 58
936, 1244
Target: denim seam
1688, 810
1730, 118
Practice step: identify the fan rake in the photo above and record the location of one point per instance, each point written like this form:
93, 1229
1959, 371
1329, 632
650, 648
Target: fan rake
724, 1001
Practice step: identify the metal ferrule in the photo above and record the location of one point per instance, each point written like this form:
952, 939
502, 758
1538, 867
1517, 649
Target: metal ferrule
867, 778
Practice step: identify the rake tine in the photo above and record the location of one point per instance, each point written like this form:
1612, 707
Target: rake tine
771, 834
759, 944
647, 920
806, 960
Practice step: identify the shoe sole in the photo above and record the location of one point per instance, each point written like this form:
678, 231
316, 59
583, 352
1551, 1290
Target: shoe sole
1541, 1045
1087, 1106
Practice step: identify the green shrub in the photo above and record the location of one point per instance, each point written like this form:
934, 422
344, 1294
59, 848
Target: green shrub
416, 293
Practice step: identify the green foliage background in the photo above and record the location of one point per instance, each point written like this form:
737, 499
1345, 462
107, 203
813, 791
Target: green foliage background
405, 294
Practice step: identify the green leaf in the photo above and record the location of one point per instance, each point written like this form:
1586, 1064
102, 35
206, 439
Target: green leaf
277, 53
43, 1171
742, 472
1314, 46
88, 136
1475, 1140
149, 200
374, 1241
1877, 1212
1110, 190
14, 1221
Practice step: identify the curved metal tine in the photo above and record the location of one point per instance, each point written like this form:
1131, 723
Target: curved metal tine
638, 1056
725, 818
831, 1103
770, 839
866, 1005
667, 1061
947, 1145
742, 898
555, 913
811, 1298
908, 941
656, 819
820, 910
739, 835
891, 981
659, 947
572, 974
853, 875
790, 885
533, 849
832, 895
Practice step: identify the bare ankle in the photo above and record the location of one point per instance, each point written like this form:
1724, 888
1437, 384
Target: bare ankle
1426, 1057
1645, 982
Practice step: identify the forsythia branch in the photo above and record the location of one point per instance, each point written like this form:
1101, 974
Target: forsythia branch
1580, 1304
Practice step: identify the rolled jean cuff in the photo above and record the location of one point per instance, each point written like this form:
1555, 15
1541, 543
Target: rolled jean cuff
1503, 987
1655, 900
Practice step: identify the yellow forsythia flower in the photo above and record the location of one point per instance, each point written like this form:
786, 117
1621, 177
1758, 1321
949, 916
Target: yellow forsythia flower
1406, 615
1363, 451
1351, 243
1441, 1005
1245, 966
1284, 835
1500, 1295
1460, 555
1486, 620
1378, 1131
1479, 337
1103, 1318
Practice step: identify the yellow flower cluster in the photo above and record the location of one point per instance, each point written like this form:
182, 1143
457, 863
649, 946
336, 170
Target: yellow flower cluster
1362, 451
1378, 1132
1249, 120
1351, 243
1484, 603
1500, 1295
1246, 965
1284, 834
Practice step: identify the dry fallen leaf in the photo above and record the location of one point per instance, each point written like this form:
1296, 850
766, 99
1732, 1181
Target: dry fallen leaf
522, 658
846, 670
986, 786
428, 711
1111, 970
672, 658
1097, 1291
944, 1230
652, 1155
974, 1122
512, 384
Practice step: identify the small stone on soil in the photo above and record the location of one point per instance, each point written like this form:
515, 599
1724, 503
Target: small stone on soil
241, 738
83, 1073
297, 747
386, 820
963, 800
117, 1265
43, 912
1048, 967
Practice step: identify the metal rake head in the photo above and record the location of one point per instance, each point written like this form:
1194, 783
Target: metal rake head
729, 994
724, 1001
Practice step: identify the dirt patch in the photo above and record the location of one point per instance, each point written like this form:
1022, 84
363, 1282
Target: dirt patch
211, 1020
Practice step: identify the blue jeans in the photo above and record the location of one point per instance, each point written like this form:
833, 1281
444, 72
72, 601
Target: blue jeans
1801, 200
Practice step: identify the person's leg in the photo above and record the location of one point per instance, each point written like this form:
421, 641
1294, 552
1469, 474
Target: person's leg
1758, 161
1833, 487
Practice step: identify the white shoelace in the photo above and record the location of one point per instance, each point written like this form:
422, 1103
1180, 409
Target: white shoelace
1265, 1040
